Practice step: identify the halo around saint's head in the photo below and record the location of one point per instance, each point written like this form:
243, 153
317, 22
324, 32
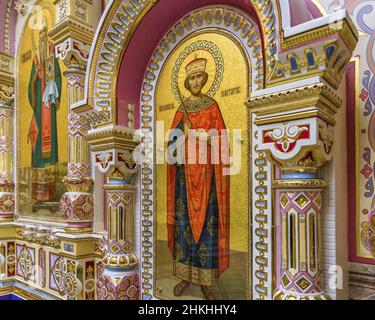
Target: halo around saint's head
200, 56
38, 28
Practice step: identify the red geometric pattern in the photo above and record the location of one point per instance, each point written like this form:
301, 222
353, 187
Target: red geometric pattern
303, 278
77, 206
126, 289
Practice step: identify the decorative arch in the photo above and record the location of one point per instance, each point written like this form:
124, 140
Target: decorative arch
119, 26
247, 35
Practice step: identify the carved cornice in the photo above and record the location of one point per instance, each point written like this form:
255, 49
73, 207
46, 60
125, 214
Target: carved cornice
339, 31
296, 93
112, 137
6, 79
298, 184
318, 99
113, 151
71, 28
73, 32
343, 28
6, 67
326, 59
39, 235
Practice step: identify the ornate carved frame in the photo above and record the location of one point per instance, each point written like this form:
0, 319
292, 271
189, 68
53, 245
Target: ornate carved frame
294, 90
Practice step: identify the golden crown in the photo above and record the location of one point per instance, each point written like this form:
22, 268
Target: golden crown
197, 65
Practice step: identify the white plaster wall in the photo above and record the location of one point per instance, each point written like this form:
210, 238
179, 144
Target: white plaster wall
328, 245
335, 211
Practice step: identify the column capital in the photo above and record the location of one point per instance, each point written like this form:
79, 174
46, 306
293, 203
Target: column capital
73, 32
6, 80
74, 54
296, 125
113, 149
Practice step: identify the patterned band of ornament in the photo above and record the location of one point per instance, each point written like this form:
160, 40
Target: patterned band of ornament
303, 183
7, 199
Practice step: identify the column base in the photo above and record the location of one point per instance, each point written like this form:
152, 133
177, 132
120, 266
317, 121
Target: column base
115, 285
281, 294
7, 203
78, 210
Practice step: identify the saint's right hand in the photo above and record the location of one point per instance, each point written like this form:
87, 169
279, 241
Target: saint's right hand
187, 126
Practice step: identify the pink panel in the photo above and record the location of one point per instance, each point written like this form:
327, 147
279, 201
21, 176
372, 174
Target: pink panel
12, 32
3, 9
147, 36
313, 9
352, 173
299, 12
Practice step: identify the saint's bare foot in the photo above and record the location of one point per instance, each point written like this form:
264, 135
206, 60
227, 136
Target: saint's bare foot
180, 288
207, 293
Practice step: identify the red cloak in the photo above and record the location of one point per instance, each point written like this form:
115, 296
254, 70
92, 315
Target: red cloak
198, 182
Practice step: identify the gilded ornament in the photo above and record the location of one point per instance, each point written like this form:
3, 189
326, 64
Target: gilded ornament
296, 184
21, 6
286, 136
104, 88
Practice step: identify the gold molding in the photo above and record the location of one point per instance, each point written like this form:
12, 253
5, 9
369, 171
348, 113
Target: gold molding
121, 187
71, 28
298, 184
345, 28
321, 99
114, 137
281, 295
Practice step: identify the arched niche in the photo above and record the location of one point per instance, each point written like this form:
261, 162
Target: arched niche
121, 56
247, 36
234, 70
125, 30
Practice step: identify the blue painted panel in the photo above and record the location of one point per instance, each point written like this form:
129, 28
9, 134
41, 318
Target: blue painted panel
10, 297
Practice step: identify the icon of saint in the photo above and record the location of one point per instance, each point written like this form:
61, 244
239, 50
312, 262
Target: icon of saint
44, 96
198, 193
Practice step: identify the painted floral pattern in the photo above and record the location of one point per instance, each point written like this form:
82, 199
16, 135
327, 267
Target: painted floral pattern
362, 13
